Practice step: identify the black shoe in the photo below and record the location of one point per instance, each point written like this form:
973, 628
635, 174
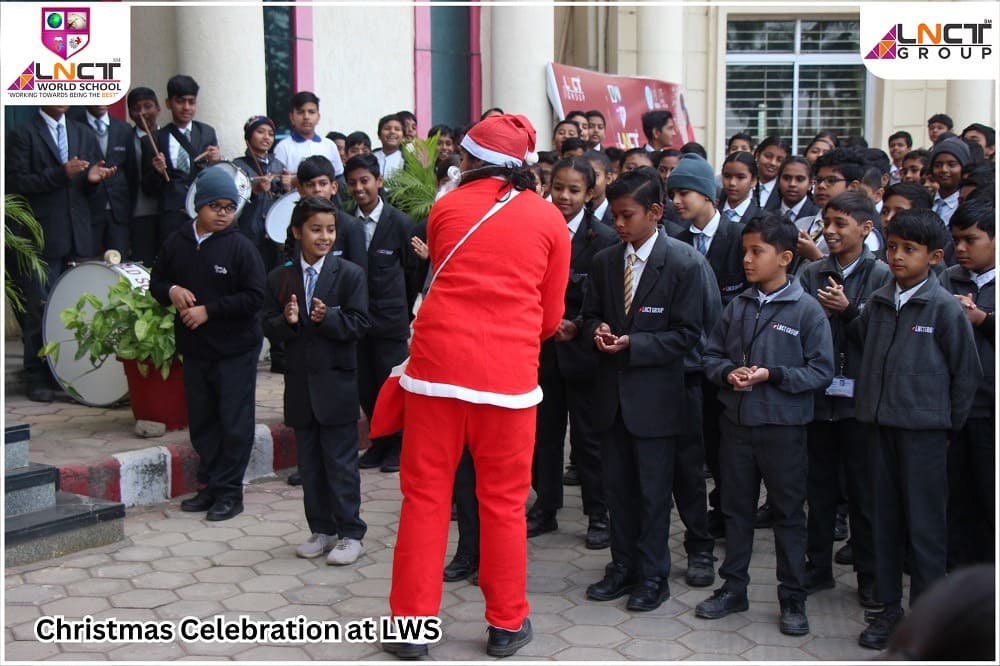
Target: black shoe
844, 555
866, 592
793, 618
649, 594
224, 509
598, 533
701, 570
880, 627
571, 477
373, 457
616, 583
454, 512
40, 393
764, 517
541, 521
840, 532
391, 461
818, 579
460, 568
722, 603
503, 643
716, 524
295, 479
203, 501
406, 651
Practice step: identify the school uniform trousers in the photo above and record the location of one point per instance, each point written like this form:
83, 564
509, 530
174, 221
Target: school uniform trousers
321, 390
145, 217
467, 507
725, 257
640, 398
566, 375
61, 205
111, 203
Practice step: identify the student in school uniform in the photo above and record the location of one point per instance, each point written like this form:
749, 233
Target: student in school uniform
566, 372
739, 179
317, 306
900, 143
770, 350
644, 311
794, 183
947, 159
843, 284
598, 126
387, 239
391, 133
315, 177
770, 154
920, 372
972, 453
266, 173
111, 203
599, 204
303, 141
184, 147
659, 128
144, 110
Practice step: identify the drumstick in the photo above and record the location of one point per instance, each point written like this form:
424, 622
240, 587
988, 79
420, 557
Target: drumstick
149, 135
200, 156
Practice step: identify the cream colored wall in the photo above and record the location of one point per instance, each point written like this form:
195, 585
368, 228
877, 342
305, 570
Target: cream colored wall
364, 65
154, 51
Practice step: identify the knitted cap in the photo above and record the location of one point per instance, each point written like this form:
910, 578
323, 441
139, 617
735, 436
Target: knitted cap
507, 140
212, 184
954, 147
253, 123
693, 173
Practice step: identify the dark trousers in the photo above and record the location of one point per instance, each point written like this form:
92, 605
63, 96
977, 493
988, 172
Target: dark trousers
467, 507
779, 452
376, 358
910, 482
638, 477
221, 400
971, 495
834, 445
711, 412
35, 293
107, 234
331, 480
562, 396
143, 239
689, 477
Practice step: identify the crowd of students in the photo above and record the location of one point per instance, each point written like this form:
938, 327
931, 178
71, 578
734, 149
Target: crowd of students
823, 322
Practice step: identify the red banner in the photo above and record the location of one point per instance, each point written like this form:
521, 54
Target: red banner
622, 100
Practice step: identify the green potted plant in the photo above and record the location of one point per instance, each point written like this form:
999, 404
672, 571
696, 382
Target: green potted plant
135, 328
413, 188
23, 238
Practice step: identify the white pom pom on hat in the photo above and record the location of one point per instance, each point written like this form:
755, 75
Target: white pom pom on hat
507, 140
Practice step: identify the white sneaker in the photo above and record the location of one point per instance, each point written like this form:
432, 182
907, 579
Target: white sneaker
347, 551
316, 546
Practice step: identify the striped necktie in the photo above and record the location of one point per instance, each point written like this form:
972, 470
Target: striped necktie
310, 286
702, 243
62, 143
629, 280
732, 214
183, 159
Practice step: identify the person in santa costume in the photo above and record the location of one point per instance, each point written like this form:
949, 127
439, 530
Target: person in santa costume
502, 255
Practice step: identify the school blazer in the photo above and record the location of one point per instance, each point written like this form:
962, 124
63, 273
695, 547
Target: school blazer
388, 257
120, 189
350, 243
577, 359
809, 210
646, 380
173, 194
61, 205
320, 359
725, 256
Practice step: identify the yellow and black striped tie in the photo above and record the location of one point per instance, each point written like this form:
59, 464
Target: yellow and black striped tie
629, 280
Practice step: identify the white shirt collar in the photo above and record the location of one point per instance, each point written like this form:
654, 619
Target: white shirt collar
574, 224
52, 122
710, 228
983, 279
182, 128
904, 295
796, 208
849, 268
642, 254
376, 213
199, 239
950, 201
740, 208
303, 264
600, 210
92, 120
763, 298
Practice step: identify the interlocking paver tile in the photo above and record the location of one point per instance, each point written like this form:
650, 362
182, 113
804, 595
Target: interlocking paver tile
542, 645
226, 534
161, 539
579, 653
207, 591
76, 606
146, 598
767, 633
128, 570
728, 623
29, 650
289, 566
78, 656
596, 635
596, 613
774, 653
315, 612
147, 652
140, 554
181, 609
199, 548
658, 650
648, 627
34, 594
270, 583
839, 649
178, 564
56, 575
317, 594
254, 601
225, 574
274, 653
719, 642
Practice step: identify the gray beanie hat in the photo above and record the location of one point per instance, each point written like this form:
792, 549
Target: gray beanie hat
212, 184
954, 147
693, 173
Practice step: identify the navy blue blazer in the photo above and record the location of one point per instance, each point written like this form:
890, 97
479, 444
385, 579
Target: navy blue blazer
120, 189
388, 258
172, 195
725, 256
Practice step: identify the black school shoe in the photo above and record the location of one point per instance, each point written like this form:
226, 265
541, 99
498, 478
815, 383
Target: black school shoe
571, 477
203, 501
793, 618
598, 533
374, 456
503, 643
866, 591
764, 517
722, 603
295, 479
818, 579
840, 532
844, 555
540, 522
701, 570
406, 651
390, 463
880, 627
649, 594
616, 583
460, 568
224, 509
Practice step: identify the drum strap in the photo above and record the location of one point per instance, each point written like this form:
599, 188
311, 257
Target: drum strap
185, 144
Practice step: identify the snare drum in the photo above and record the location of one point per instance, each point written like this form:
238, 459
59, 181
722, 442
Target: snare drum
105, 385
279, 217
243, 187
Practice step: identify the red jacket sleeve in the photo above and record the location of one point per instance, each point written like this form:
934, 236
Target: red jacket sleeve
553, 287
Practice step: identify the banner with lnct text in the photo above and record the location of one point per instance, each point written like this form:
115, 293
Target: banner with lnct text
621, 99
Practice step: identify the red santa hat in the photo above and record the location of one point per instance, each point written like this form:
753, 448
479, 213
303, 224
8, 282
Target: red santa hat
507, 140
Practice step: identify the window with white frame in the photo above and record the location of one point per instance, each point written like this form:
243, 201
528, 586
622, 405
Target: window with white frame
794, 78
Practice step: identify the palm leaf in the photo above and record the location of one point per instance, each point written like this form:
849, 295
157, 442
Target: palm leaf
413, 188
24, 240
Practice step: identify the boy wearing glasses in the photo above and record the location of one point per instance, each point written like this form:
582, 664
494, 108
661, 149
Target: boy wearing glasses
215, 278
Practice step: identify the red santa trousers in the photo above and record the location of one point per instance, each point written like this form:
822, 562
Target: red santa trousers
501, 442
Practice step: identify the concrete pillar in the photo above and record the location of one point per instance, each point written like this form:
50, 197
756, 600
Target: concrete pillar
223, 49
660, 42
970, 102
521, 44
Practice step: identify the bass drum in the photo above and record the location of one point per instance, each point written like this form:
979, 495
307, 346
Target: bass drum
106, 385
243, 186
279, 217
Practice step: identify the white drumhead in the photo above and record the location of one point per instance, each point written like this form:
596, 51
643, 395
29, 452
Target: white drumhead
279, 216
105, 385
243, 187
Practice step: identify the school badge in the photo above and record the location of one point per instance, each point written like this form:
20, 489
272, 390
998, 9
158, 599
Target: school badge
65, 30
